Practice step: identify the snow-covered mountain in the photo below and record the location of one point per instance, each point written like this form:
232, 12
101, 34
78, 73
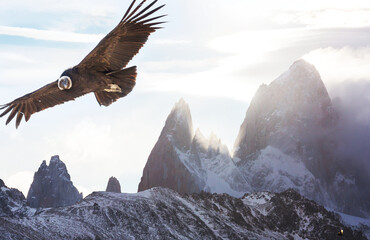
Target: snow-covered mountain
52, 186
291, 114
287, 140
161, 213
190, 163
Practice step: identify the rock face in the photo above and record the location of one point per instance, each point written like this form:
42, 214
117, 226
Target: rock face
113, 185
52, 186
290, 114
164, 167
189, 163
163, 214
287, 141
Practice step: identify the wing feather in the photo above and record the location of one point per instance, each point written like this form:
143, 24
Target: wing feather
116, 49
19, 119
12, 114
43, 98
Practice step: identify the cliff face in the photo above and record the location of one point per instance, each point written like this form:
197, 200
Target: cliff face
52, 186
287, 140
164, 166
293, 114
189, 163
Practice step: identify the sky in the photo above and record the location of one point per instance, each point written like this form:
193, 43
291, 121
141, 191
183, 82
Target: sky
213, 53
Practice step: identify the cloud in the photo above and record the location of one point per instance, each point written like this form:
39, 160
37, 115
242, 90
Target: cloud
353, 130
337, 65
255, 44
327, 18
50, 35
169, 41
90, 7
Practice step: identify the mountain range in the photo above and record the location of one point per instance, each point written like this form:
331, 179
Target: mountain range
287, 140
161, 213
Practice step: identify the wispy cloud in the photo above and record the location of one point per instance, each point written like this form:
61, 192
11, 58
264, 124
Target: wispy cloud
337, 65
327, 18
89, 7
50, 35
169, 41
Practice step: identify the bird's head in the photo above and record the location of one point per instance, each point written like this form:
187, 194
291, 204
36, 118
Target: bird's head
64, 82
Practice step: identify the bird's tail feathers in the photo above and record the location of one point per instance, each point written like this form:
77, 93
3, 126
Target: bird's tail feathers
123, 81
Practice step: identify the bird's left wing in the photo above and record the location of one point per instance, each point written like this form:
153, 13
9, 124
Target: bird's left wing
45, 97
116, 49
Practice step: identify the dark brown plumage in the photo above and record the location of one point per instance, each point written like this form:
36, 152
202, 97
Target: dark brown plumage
102, 71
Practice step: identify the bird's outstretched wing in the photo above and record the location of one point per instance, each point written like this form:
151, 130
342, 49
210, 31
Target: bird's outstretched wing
116, 49
45, 97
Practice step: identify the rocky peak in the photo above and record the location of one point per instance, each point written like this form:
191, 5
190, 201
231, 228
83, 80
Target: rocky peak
211, 146
179, 126
52, 186
165, 166
287, 140
113, 185
301, 72
281, 114
189, 164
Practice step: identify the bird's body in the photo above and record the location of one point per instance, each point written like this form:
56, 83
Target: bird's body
103, 71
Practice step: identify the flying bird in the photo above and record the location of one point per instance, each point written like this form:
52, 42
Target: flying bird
103, 71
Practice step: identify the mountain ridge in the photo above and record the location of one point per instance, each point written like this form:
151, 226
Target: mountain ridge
164, 214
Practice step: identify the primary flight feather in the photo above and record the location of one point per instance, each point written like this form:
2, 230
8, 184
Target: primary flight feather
103, 71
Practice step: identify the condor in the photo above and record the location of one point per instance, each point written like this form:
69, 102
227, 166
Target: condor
103, 71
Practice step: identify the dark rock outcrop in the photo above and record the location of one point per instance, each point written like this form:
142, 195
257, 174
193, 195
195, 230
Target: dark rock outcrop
113, 185
52, 186
11, 201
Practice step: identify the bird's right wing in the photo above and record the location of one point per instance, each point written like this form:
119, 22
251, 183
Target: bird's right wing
116, 49
43, 98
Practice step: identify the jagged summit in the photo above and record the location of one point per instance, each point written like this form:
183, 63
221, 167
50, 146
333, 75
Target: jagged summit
211, 144
284, 111
287, 140
189, 163
113, 185
52, 186
164, 166
300, 71
179, 125
181, 112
